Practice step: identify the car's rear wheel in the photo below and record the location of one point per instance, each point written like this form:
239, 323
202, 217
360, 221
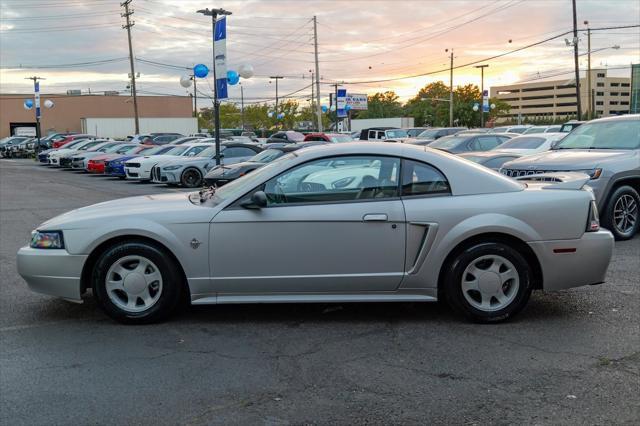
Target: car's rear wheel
488, 282
622, 214
137, 283
191, 178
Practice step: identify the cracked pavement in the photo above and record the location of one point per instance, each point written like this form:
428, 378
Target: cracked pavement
572, 357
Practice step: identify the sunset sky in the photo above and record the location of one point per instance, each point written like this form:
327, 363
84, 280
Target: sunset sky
359, 41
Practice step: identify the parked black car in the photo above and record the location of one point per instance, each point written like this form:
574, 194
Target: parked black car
466, 143
289, 136
226, 173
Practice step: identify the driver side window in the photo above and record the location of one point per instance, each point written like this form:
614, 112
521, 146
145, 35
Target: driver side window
336, 179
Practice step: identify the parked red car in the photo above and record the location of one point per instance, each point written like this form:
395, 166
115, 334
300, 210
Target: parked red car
69, 138
97, 164
328, 137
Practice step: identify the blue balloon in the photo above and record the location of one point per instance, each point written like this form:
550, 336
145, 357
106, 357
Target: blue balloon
233, 77
281, 115
347, 108
200, 70
324, 108
28, 103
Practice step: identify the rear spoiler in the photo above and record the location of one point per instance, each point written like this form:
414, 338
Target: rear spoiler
559, 180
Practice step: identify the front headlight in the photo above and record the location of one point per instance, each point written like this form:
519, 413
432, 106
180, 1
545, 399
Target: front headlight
46, 240
594, 173
171, 168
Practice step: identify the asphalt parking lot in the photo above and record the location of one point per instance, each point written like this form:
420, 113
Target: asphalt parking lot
573, 357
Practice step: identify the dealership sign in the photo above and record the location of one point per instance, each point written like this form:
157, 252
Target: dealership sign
357, 101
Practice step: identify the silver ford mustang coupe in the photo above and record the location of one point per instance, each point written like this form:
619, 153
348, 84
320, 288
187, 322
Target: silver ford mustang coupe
353, 222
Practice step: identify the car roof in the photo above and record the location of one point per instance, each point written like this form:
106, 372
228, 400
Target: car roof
628, 117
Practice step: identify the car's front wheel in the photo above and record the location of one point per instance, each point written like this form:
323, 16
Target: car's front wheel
488, 282
622, 214
136, 282
191, 178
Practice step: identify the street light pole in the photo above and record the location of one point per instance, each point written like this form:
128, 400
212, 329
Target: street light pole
216, 104
36, 95
575, 60
482, 67
589, 96
450, 90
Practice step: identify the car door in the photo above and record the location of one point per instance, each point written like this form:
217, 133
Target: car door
330, 225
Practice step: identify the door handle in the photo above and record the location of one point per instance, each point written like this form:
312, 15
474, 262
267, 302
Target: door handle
375, 217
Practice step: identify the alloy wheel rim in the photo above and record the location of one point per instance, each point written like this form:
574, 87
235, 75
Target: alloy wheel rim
490, 283
625, 214
134, 284
191, 177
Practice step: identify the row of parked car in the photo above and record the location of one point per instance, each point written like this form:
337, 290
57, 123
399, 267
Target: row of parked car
607, 150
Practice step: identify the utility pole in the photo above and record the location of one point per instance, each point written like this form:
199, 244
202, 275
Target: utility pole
195, 96
450, 90
589, 94
315, 46
335, 99
36, 95
127, 13
311, 71
482, 67
575, 60
242, 105
276, 78
216, 104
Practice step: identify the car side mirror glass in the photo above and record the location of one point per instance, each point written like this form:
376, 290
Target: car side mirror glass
191, 154
258, 200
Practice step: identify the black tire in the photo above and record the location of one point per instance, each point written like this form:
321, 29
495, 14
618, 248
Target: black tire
173, 285
191, 178
453, 276
627, 199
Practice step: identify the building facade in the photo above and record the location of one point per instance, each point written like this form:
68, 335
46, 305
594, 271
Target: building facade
556, 99
69, 110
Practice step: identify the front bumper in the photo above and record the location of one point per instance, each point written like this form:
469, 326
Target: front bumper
78, 164
161, 176
579, 262
112, 170
97, 168
53, 272
138, 173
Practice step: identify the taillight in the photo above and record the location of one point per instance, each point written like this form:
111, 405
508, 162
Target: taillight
593, 224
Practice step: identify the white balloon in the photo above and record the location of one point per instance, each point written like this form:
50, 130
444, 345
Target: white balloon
48, 103
475, 108
185, 81
246, 71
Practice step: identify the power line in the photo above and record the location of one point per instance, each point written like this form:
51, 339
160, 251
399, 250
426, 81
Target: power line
70, 65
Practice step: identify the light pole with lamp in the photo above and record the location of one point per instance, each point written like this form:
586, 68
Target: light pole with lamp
216, 104
482, 67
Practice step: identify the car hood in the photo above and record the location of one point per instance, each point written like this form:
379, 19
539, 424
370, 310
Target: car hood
233, 170
153, 158
567, 159
185, 161
105, 157
145, 207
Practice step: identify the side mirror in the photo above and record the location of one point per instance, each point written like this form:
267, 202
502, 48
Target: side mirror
258, 200
555, 144
191, 154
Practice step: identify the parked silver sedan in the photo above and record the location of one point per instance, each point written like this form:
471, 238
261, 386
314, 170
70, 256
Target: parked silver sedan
353, 222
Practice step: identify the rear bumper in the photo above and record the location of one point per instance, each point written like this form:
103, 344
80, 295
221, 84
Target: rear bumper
580, 262
53, 272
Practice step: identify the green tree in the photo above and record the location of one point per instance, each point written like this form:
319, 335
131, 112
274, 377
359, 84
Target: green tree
464, 98
427, 107
382, 105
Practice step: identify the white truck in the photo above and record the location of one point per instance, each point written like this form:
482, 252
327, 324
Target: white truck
366, 123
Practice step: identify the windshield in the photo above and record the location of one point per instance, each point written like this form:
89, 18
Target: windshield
88, 145
412, 133
150, 150
396, 133
448, 142
176, 150
619, 134
429, 133
535, 130
341, 138
522, 142
500, 129
109, 148
128, 149
209, 152
237, 187
267, 156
